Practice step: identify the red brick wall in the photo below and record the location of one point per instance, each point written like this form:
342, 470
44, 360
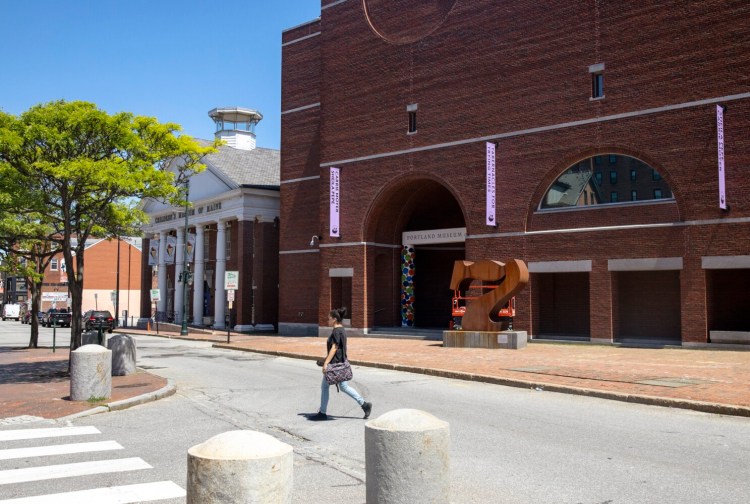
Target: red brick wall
494, 68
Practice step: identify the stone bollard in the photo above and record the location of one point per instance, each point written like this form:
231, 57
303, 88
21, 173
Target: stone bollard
407, 458
90, 373
240, 466
123, 354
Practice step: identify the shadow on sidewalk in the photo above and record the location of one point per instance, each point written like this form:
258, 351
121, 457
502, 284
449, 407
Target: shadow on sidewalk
26, 370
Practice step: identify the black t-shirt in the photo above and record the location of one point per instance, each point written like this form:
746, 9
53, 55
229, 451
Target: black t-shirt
338, 336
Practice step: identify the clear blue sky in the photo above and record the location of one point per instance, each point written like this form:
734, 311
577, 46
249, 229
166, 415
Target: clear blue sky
173, 60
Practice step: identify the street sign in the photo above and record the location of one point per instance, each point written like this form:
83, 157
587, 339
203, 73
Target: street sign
155, 296
231, 280
230, 296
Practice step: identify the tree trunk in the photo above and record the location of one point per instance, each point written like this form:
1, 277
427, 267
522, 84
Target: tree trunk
36, 294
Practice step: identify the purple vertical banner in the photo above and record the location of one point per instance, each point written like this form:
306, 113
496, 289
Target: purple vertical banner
720, 144
490, 184
335, 229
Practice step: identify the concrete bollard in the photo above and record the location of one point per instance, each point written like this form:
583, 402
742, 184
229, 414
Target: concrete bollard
407, 458
240, 466
123, 354
90, 373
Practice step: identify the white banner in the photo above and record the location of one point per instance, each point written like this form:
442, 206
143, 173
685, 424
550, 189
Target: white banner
153, 253
720, 143
490, 185
335, 202
59, 297
171, 248
190, 247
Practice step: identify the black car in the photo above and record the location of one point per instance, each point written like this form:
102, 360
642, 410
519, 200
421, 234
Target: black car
93, 318
55, 317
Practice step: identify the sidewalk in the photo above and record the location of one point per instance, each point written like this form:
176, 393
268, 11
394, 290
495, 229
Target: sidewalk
34, 383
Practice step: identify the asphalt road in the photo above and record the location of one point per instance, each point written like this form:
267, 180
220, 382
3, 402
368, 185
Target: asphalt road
507, 444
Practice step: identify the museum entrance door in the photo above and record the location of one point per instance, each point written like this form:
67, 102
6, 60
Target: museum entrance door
418, 231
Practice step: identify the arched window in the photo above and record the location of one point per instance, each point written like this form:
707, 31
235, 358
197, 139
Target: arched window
606, 179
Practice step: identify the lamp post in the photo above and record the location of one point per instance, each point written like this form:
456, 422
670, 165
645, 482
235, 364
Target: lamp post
185, 275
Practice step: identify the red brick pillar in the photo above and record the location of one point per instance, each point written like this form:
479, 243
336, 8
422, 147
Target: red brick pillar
601, 302
693, 307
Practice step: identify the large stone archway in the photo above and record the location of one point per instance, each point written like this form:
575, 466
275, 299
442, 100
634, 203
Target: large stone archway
417, 203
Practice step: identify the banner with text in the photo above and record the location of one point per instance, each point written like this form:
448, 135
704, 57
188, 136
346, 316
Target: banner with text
720, 143
490, 183
335, 202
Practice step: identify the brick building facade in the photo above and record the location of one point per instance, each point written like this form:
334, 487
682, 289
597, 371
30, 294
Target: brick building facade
402, 97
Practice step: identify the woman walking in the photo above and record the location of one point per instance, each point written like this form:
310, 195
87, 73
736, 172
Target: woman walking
336, 346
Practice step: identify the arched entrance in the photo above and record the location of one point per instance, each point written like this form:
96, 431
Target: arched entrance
419, 274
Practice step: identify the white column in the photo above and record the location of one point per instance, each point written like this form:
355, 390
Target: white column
198, 271
161, 306
220, 295
179, 261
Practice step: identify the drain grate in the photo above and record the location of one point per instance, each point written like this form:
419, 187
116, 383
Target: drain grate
671, 382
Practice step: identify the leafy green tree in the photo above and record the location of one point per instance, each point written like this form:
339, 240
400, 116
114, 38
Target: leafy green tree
85, 170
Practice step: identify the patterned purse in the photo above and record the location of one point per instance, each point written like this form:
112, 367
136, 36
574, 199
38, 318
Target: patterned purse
337, 373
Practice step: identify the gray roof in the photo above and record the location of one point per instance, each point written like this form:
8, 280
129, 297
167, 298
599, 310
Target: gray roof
259, 167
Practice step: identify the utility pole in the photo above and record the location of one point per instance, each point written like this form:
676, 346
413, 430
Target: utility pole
117, 286
186, 271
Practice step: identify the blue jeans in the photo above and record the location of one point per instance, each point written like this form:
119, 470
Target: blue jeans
324, 389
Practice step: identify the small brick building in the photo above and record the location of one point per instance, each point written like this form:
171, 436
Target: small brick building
605, 119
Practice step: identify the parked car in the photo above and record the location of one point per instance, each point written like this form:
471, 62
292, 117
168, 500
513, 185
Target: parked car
26, 319
12, 310
58, 317
92, 319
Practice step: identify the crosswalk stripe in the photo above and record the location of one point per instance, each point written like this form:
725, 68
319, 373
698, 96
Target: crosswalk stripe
113, 495
18, 434
64, 449
69, 470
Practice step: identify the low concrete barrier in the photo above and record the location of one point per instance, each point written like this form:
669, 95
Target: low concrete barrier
514, 340
123, 354
90, 373
407, 458
240, 466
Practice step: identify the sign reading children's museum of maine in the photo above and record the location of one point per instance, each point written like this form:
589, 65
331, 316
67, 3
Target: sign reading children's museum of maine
335, 199
490, 183
720, 143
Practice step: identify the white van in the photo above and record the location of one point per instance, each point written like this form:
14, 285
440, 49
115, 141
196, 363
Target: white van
12, 310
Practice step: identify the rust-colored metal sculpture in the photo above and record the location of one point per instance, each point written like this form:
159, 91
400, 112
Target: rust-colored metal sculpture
514, 276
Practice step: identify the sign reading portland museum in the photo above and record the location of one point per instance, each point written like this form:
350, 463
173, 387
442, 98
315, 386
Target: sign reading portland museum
428, 236
335, 199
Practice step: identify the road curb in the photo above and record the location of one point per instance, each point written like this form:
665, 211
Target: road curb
668, 402
166, 391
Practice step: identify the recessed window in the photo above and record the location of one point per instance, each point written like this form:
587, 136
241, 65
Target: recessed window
612, 159
581, 185
633, 175
413, 122
655, 175
411, 110
53, 265
597, 81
